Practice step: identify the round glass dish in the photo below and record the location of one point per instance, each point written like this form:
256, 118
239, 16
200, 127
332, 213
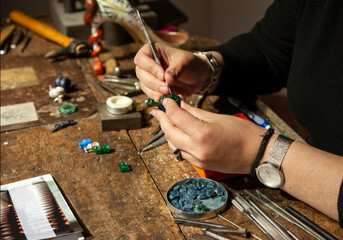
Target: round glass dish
197, 198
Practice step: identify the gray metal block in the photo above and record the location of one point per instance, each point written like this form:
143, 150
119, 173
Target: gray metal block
70, 24
110, 122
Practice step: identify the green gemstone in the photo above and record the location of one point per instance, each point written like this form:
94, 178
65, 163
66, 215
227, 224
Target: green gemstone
151, 102
124, 167
102, 149
201, 208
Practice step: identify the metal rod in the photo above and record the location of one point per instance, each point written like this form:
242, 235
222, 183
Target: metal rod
241, 209
293, 220
308, 222
270, 220
26, 41
107, 88
202, 224
213, 235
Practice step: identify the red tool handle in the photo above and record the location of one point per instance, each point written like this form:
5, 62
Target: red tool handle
40, 28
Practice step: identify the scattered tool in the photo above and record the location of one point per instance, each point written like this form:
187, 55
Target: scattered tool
6, 33
5, 48
286, 215
309, 223
160, 141
26, 41
71, 47
213, 227
17, 37
244, 205
59, 126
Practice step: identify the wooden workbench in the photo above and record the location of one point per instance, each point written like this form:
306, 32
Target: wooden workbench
111, 204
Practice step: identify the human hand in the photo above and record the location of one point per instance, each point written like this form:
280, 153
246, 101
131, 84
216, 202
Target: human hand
210, 141
184, 72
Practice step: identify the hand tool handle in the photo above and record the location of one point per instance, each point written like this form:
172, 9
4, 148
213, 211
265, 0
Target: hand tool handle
40, 28
6, 33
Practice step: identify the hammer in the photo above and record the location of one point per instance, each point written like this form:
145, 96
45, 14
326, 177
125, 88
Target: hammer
71, 47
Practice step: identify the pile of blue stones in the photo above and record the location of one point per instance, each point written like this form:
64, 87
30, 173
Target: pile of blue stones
197, 195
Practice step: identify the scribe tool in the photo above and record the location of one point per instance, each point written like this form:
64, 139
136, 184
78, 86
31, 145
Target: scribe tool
147, 36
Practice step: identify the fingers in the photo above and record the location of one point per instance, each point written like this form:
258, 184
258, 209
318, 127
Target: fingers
173, 134
152, 94
197, 112
182, 119
145, 61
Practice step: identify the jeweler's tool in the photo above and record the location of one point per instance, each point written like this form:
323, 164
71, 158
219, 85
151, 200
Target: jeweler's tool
278, 211
281, 231
252, 116
242, 204
6, 33
26, 41
152, 139
71, 47
147, 36
213, 227
308, 222
290, 218
234, 224
157, 130
201, 224
162, 140
5, 48
108, 88
123, 80
18, 36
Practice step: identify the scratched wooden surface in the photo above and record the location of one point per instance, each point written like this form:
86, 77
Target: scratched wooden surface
111, 204
47, 110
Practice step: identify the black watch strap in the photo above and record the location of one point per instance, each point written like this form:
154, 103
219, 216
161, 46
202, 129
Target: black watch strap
261, 150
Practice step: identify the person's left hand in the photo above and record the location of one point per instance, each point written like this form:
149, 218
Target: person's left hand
210, 141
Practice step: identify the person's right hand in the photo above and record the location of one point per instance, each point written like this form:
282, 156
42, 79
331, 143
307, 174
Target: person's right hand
184, 72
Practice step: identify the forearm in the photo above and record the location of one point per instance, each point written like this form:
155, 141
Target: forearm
312, 176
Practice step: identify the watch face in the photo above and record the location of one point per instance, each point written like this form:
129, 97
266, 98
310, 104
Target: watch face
269, 176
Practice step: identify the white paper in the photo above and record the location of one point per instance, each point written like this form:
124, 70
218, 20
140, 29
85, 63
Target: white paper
18, 113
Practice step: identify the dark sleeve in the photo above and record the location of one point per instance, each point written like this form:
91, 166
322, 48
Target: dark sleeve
340, 205
258, 62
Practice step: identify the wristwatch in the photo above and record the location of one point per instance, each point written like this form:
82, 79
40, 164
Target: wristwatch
214, 79
269, 172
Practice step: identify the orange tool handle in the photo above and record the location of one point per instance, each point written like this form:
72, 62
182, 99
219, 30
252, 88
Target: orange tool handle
40, 28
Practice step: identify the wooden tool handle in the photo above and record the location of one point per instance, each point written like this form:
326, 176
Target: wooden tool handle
40, 28
6, 33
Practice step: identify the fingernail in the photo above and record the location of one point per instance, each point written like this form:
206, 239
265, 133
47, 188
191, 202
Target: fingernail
153, 113
160, 75
164, 90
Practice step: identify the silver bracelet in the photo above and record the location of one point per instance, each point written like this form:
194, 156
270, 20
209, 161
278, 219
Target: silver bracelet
214, 80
